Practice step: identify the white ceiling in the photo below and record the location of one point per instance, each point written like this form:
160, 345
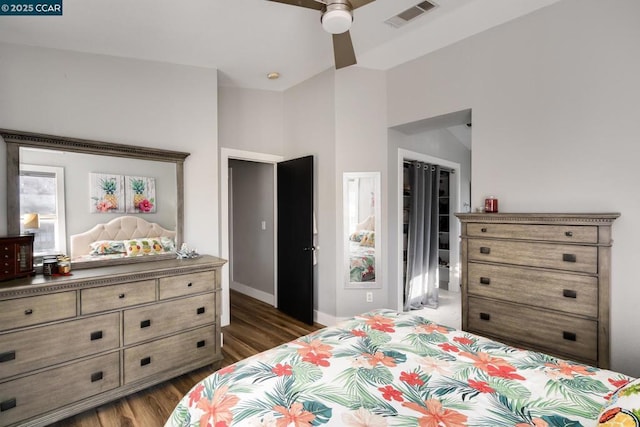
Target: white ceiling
246, 39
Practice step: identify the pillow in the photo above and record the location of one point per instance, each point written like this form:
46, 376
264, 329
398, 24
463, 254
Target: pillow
146, 246
357, 236
168, 244
623, 408
369, 239
107, 247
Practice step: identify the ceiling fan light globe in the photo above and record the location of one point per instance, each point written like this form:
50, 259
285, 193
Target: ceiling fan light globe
337, 21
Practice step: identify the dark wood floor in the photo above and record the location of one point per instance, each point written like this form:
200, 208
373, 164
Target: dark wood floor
255, 327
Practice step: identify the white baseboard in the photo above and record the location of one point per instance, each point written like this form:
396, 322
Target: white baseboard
254, 293
324, 318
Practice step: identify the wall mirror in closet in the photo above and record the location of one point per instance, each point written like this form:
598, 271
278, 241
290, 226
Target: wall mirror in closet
361, 205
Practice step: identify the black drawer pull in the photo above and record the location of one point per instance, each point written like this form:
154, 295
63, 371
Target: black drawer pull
485, 250
9, 355
485, 316
97, 376
96, 335
485, 281
483, 229
28, 312
145, 324
200, 344
200, 310
7, 404
145, 361
121, 296
569, 336
568, 233
568, 293
189, 284
569, 257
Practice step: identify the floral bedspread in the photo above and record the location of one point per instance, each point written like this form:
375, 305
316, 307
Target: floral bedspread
362, 263
398, 369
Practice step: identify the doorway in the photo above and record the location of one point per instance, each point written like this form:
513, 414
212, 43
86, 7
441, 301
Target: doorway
227, 155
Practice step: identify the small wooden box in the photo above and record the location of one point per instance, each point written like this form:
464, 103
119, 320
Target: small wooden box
16, 257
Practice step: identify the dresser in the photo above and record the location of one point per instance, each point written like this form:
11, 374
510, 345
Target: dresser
539, 281
70, 343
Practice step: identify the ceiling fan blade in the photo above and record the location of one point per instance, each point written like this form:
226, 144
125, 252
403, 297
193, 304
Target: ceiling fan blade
310, 4
343, 50
359, 3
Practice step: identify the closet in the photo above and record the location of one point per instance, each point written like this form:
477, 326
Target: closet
444, 219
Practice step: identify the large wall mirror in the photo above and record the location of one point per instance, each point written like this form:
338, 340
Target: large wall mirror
361, 204
52, 176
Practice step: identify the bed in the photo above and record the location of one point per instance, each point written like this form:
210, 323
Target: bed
385, 368
125, 236
362, 256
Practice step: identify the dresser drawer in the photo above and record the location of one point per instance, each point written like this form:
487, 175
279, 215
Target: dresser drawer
186, 284
37, 348
29, 311
552, 332
117, 296
552, 233
36, 394
546, 255
572, 293
168, 353
149, 322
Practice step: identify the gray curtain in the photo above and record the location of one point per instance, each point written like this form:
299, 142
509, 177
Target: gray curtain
421, 283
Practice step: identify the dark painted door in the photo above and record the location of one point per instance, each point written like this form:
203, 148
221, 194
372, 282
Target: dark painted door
295, 238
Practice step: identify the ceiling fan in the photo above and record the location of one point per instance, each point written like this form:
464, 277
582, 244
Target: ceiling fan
336, 18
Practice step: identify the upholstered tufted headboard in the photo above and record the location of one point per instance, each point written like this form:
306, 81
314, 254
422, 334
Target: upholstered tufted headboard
121, 228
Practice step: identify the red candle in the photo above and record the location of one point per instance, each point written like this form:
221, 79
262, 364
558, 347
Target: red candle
491, 205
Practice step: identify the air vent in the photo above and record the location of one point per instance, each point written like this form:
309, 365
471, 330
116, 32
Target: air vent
403, 18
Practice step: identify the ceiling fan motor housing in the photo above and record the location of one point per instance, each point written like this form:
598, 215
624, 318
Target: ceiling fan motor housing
337, 17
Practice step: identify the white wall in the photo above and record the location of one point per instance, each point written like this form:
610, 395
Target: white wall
555, 101
360, 146
124, 101
251, 120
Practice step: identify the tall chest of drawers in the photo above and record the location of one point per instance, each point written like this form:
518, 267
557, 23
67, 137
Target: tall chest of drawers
68, 344
539, 281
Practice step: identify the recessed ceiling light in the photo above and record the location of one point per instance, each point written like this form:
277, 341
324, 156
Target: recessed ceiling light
273, 76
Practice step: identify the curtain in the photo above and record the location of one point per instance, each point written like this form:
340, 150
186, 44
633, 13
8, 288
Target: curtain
421, 283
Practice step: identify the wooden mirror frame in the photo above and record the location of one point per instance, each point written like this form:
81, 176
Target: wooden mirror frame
16, 139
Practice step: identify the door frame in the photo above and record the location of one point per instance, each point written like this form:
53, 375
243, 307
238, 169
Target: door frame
454, 231
227, 154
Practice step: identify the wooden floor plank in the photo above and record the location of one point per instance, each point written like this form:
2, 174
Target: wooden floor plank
255, 327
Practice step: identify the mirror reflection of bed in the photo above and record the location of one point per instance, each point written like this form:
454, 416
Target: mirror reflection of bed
361, 225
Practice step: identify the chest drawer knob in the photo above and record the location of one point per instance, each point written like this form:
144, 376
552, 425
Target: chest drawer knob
190, 284
8, 356
200, 344
200, 310
568, 293
483, 229
145, 324
121, 296
569, 336
485, 250
145, 361
96, 335
28, 312
485, 316
568, 233
568, 257
485, 281
96, 376
7, 404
